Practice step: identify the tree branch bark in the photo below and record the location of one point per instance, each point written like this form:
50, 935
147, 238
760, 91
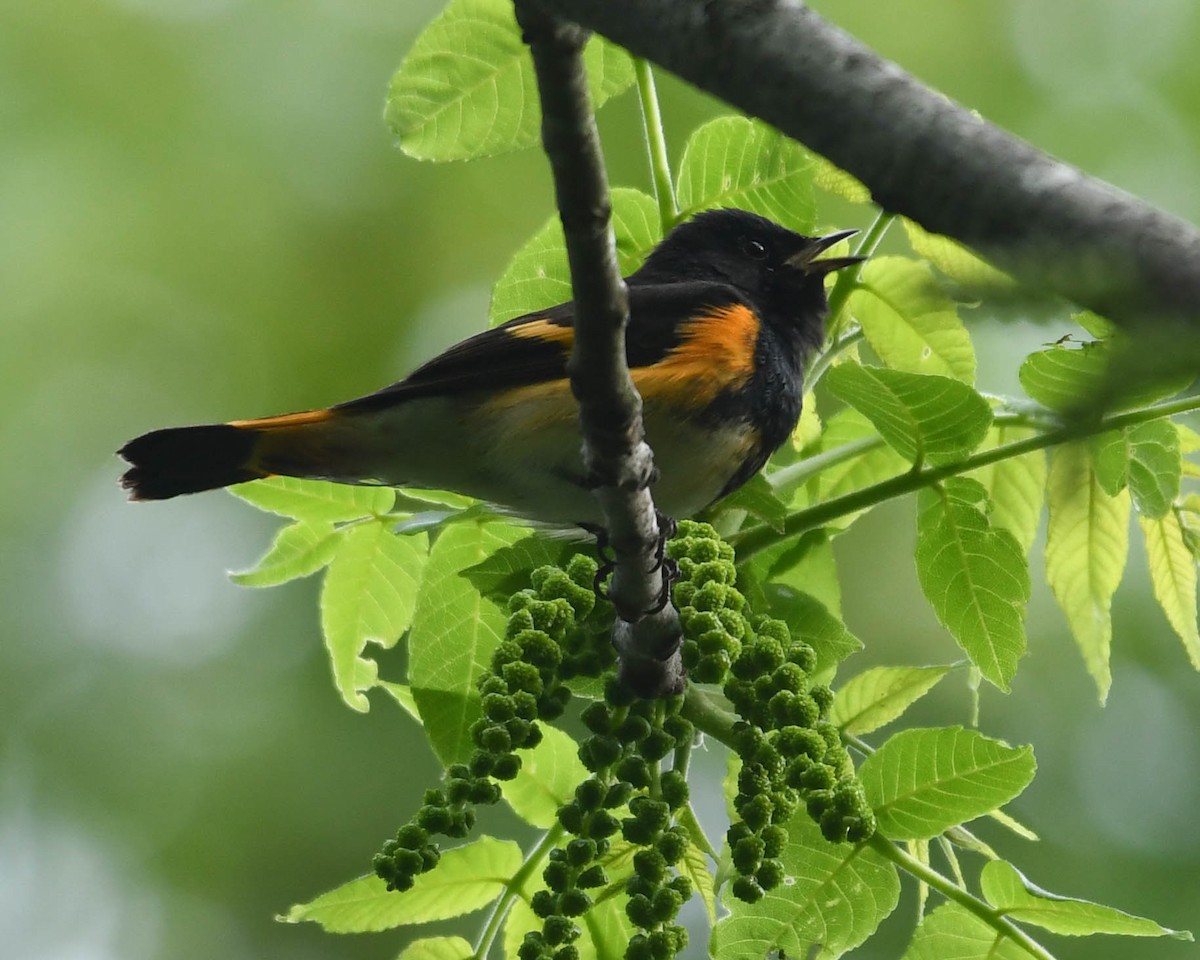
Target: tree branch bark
610, 410
922, 155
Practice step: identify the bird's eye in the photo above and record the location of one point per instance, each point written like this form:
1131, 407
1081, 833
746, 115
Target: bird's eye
754, 249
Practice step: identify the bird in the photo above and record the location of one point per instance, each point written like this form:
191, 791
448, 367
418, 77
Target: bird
723, 315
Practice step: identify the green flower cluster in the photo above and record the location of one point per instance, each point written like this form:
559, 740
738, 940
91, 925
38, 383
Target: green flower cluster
711, 609
543, 643
790, 753
628, 738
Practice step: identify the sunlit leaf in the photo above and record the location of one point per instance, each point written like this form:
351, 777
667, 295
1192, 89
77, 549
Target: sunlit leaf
923, 417
873, 465
453, 634
837, 181
975, 576
1146, 457
299, 549
549, 774
1068, 377
952, 932
953, 259
909, 323
837, 896
1016, 486
1173, 575
368, 596
467, 87
315, 501
743, 163
694, 866
1008, 891
438, 948
507, 570
879, 695
466, 878
538, 275
757, 497
924, 781
1087, 541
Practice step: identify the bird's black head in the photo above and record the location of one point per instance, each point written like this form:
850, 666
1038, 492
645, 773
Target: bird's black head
777, 269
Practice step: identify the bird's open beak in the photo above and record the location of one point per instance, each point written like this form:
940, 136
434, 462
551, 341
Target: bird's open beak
806, 260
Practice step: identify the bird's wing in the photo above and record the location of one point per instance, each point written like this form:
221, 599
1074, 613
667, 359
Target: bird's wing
535, 348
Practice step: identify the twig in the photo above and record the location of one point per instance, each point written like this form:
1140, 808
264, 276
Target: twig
610, 410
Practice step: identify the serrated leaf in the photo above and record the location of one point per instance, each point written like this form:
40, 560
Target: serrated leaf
953, 933
1069, 378
738, 162
549, 774
467, 86
953, 259
1016, 486
1008, 891
299, 549
1087, 541
926, 780
809, 620
368, 596
453, 634
922, 417
974, 575
837, 181
1173, 576
538, 275
909, 323
835, 898
507, 570
1145, 456
466, 878
694, 866
315, 501
879, 695
438, 948
403, 695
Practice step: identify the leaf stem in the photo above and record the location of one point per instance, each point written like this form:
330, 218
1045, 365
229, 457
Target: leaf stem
513, 888
817, 368
757, 539
656, 145
952, 891
848, 279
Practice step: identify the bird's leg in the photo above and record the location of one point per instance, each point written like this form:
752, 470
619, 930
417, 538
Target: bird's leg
608, 559
667, 528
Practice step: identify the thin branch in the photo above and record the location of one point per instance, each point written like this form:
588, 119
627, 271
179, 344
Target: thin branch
921, 154
616, 457
656, 146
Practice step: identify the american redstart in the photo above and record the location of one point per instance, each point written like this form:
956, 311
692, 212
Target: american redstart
723, 314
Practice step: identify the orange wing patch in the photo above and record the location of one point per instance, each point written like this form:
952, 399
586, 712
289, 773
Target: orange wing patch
545, 331
715, 354
286, 420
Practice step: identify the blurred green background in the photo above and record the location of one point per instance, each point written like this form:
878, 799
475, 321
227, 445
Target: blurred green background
202, 218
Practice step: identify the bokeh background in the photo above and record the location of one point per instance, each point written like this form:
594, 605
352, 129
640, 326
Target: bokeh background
202, 218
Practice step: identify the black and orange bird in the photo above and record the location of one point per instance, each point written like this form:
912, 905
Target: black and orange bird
723, 314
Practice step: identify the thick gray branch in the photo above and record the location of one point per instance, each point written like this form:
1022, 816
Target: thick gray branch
921, 154
610, 409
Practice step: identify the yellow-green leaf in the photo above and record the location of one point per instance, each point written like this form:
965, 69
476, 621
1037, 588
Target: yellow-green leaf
1173, 574
299, 549
1015, 486
438, 948
315, 501
953, 259
1087, 541
878, 695
549, 774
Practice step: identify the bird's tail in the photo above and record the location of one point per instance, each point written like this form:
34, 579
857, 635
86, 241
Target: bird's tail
167, 463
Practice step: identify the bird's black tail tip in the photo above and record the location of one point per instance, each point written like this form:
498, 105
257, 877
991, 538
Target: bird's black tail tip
178, 460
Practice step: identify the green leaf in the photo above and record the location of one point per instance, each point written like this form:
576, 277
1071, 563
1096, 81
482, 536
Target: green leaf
403, 695
1016, 486
369, 595
549, 774
926, 780
694, 866
315, 501
1069, 378
801, 564
807, 619
837, 181
507, 570
1008, 891
838, 896
863, 470
466, 878
1087, 541
975, 576
879, 695
467, 87
453, 634
538, 275
738, 162
908, 321
923, 417
300, 549
757, 497
438, 948
953, 259
1145, 456
953, 933
1173, 575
